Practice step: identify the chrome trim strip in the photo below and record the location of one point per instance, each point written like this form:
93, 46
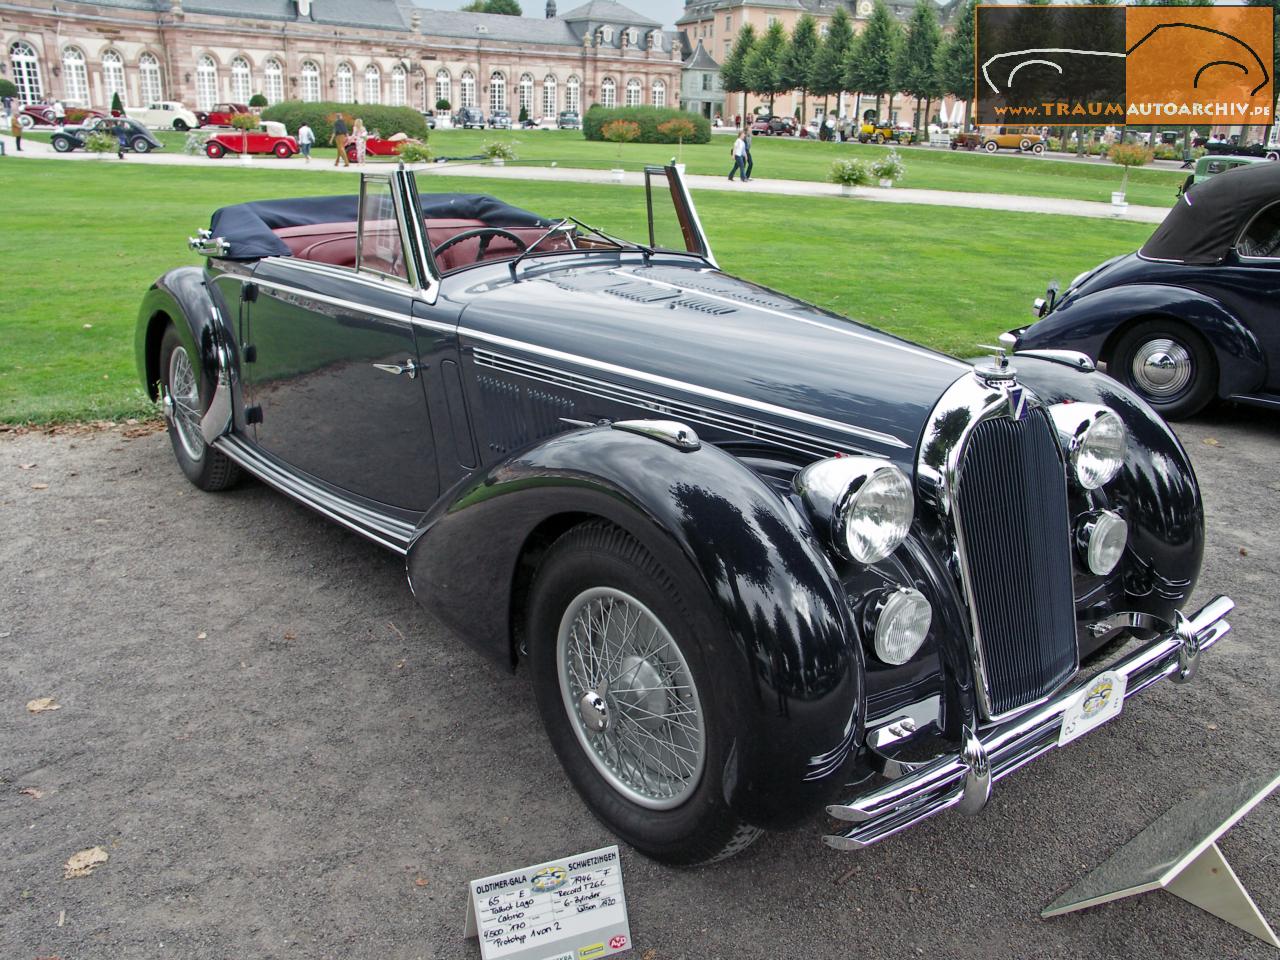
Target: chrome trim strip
381, 529
335, 301
873, 435
697, 221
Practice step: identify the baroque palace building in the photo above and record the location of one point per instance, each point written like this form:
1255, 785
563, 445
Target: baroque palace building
367, 51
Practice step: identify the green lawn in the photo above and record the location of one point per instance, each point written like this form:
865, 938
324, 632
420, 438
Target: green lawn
81, 242
788, 159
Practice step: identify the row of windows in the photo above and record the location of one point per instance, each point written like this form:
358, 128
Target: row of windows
25, 69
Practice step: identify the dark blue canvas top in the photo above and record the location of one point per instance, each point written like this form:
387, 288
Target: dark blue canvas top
247, 227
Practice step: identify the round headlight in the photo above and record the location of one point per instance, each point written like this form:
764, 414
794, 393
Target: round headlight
877, 515
1102, 541
1099, 451
902, 625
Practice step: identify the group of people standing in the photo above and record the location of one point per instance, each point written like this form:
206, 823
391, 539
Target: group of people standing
742, 162
342, 134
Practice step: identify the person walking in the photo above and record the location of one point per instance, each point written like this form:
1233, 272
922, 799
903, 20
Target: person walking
739, 156
15, 127
59, 113
122, 139
361, 137
747, 163
339, 140
306, 139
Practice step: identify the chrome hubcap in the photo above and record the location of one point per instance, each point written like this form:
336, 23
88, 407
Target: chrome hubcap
1162, 368
182, 404
630, 697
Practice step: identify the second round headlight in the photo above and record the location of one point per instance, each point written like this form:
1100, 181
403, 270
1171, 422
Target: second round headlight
1099, 451
877, 516
902, 625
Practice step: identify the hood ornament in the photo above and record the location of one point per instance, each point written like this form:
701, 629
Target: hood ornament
995, 369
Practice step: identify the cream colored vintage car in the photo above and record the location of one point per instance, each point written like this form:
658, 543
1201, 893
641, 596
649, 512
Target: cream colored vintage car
165, 115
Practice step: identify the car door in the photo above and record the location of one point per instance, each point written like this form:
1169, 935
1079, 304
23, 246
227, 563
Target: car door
1248, 283
333, 388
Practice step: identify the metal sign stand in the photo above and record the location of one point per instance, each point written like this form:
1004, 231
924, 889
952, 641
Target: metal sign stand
1179, 853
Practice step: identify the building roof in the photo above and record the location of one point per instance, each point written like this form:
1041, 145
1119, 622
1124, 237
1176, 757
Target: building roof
606, 11
496, 26
701, 60
695, 10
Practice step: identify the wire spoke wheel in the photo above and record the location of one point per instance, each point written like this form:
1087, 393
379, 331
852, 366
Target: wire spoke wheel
631, 698
185, 396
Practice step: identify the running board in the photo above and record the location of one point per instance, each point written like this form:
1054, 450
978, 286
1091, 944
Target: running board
383, 530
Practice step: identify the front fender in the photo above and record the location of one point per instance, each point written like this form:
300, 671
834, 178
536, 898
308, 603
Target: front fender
1091, 324
197, 311
788, 665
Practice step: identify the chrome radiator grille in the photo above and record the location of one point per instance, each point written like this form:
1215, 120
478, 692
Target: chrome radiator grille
1011, 507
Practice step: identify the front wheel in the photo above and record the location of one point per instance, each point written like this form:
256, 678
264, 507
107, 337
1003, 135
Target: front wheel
623, 686
213, 150
63, 144
1168, 364
1037, 148
26, 122
991, 146
283, 151
187, 392
180, 126
879, 138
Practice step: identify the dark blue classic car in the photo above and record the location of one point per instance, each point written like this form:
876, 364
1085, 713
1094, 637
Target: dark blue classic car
132, 135
757, 560
1191, 316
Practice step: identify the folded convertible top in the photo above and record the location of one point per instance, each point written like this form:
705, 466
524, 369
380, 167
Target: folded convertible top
247, 227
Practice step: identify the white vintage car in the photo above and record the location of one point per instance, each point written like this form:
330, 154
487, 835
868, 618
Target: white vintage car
164, 115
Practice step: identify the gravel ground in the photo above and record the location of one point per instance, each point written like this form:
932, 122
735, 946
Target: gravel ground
285, 757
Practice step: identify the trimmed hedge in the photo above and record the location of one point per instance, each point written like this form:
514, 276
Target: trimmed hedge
319, 116
648, 118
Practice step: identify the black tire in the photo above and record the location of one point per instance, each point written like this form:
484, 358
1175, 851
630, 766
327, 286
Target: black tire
282, 150
954, 145
62, 144
1175, 400
208, 469
597, 555
141, 145
180, 125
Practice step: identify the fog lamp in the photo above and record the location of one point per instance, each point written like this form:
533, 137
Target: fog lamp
1102, 539
902, 623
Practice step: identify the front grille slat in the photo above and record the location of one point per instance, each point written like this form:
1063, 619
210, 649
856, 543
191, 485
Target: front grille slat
1011, 501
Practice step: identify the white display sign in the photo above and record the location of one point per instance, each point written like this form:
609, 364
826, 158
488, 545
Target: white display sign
570, 909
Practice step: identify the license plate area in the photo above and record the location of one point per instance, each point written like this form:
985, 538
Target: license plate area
1100, 700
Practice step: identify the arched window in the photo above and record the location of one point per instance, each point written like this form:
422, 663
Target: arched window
606, 35
573, 94
241, 80
206, 82
659, 93
273, 80
310, 73
372, 84
497, 91
655, 39
399, 86
113, 76
526, 92
345, 83
608, 93
635, 93
633, 36
76, 79
444, 87
468, 85
150, 85
26, 72
549, 96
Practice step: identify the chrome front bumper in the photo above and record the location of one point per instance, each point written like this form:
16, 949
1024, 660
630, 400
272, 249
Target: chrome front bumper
963, 779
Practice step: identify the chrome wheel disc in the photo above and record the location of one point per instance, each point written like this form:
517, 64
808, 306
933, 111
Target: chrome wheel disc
1162, 368
631, 698
183, 402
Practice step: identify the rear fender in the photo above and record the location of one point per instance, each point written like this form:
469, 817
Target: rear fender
788, 664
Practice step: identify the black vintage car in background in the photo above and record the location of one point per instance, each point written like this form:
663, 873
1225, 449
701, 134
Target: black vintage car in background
136, 136
1193, 315
757, 560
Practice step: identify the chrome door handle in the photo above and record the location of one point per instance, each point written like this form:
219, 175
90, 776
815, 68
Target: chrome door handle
408, 367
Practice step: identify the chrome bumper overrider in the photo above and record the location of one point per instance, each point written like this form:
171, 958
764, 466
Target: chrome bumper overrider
964, 779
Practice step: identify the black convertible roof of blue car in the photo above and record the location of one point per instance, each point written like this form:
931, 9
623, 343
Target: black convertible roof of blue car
249, 228
1205, 223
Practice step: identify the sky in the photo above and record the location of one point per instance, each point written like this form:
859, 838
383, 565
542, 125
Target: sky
665, 10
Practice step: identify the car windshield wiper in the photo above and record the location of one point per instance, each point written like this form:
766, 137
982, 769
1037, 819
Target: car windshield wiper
560, 225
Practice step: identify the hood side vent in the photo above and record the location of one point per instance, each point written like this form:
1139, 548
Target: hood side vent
707, 284
640, 292
704, 306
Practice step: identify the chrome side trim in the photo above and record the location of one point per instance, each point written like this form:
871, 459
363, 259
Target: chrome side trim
661, 381
670, 432
381, 529
987, 755
352, 305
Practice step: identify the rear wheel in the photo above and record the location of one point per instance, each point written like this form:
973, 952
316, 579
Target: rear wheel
188, 392
141, 145
213, 149
282, 151
1024, 144
180, 126
1037, 148
62, 144
879, 138
623, 687
991, 146
1168, 364
25, 121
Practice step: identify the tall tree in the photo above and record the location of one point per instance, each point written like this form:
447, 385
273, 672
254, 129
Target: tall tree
955, 60
800, 60
869, 66
917, 61
509, 8
733, 72
828, 67
764, 65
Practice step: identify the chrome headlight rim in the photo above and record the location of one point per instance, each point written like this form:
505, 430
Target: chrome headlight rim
1096, 540
835, 490
887, 612
1082, 428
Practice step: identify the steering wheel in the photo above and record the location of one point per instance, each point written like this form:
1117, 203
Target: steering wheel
485, 234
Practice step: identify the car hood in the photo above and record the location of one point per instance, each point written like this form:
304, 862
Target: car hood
716, 343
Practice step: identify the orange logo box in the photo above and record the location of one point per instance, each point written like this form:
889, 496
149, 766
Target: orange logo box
1189, 65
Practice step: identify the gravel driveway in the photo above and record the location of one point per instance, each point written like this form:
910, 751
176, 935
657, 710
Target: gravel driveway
285, 757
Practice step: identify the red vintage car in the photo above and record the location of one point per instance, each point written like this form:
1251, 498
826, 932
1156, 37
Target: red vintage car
41, 115
255, 141
378, 147
220, 114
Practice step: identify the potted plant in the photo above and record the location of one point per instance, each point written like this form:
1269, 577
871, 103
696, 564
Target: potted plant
620, 132
850, 174
411, 151
444, 119
244, 122
681, 129
102, 143
499, 152
888, 169
1127, 155
257, 101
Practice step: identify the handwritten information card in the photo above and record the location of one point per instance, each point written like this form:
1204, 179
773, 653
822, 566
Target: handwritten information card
570, 909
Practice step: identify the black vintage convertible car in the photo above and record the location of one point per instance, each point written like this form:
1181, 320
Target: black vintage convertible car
1192, 315
758, 561
136, 136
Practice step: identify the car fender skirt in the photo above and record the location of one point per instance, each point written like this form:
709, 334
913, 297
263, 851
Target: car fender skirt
768, 608
196, 310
